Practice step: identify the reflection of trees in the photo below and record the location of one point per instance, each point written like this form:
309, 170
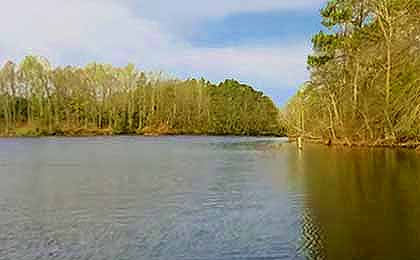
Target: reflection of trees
312, 239
365, 202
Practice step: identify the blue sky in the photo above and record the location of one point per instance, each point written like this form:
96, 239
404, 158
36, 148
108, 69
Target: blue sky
259, 28
260, 42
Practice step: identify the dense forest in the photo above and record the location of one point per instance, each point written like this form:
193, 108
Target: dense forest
37, 99
365, 75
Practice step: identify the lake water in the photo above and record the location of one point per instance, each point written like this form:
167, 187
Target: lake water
209, 198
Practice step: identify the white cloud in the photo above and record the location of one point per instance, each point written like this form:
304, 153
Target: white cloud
97, 28
285, 64
120, 31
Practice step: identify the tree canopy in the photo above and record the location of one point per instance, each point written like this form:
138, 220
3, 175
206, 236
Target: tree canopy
365, 75
37, 99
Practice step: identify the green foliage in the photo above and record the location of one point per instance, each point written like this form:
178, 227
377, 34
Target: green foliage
100, 99
336, 12
365, 74
27, 132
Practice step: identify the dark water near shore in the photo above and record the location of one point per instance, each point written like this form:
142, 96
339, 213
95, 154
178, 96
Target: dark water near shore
205, 198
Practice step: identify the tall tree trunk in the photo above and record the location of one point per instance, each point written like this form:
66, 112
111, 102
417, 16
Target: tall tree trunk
332, 129
385, 24
355, 90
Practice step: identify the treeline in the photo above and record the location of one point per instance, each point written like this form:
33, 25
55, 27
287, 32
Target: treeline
365, 75
36, 99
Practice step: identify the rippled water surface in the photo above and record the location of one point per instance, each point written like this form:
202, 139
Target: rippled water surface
205, 198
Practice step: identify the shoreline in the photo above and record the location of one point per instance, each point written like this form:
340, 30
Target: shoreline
138, 135
34, 132
360, 144
103, 133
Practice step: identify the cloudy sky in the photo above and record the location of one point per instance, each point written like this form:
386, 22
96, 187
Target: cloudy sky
260, 42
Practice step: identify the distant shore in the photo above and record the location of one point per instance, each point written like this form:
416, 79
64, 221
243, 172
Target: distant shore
92, 132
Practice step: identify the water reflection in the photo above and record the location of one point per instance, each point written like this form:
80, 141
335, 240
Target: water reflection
362, 204
144, 198
205, 198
